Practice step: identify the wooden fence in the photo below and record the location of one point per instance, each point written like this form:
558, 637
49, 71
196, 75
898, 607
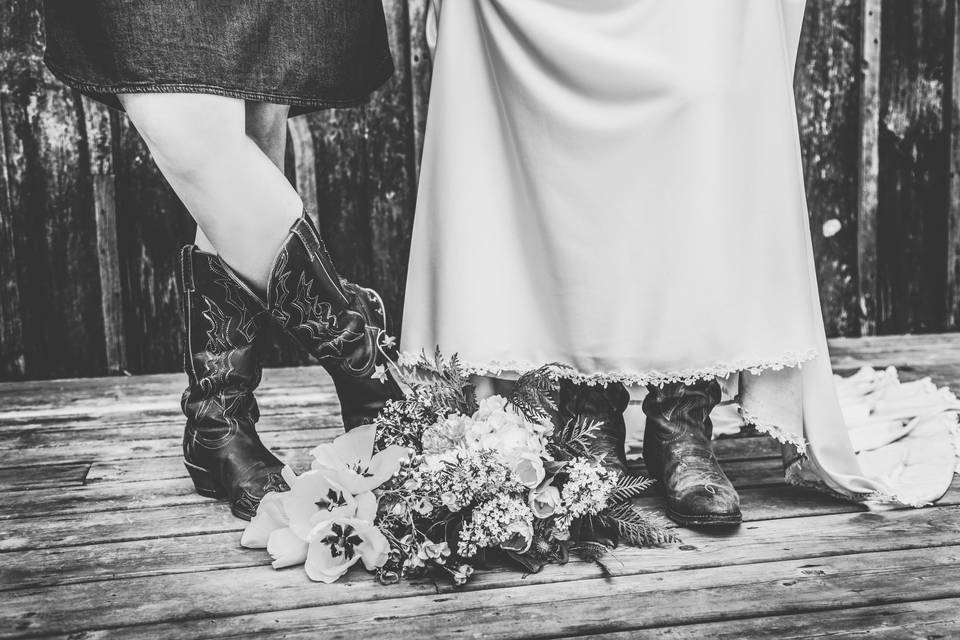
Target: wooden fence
89, 230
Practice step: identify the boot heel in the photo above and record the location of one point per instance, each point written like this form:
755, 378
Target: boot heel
204, 483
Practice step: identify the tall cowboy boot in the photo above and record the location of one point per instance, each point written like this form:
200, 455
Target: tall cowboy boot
221, 448
604, 404
678, 453
341, 324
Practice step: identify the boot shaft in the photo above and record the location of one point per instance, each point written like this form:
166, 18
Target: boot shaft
676, 409
223, 326
307, 298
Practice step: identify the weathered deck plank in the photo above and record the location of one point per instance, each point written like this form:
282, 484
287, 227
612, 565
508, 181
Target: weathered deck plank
286, 607
759, 541
99, 519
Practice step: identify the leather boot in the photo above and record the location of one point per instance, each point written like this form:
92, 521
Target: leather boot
678, 452
604, 404
341, 324
221, 448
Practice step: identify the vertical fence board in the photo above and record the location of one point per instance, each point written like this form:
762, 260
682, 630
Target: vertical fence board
99, 127
914, 165
51, 202
152, 225
951, 108
391, 177
421, 69
11, 329
827, 112
869, 164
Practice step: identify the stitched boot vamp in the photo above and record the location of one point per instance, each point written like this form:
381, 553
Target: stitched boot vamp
222, 450
678, 451
362, 398
308, 300
695, 484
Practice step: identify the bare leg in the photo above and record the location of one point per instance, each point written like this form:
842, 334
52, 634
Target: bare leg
237, 195
266, 125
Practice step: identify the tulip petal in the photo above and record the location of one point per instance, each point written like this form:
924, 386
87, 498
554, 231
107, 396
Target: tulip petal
374, 549
366, 507
322, 566
270, 516
288, 475
386, 463
353, 447
286, 548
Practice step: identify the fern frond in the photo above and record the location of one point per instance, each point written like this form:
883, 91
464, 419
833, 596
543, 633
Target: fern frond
594, 552
629, 487
535, 393
573, 439
639, 527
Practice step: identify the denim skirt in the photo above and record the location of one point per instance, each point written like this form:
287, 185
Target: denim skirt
309, 54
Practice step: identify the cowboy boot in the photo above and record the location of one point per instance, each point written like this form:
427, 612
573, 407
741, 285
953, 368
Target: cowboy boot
362, 398
341, 324
221, 448
678, 452
604, 404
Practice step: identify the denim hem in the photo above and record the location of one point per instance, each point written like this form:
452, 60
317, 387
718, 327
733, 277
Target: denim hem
305, 103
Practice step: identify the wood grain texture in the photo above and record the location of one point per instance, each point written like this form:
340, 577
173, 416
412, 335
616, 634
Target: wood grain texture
914, 165
152, 225
531, 610
100, 126
951, 109
868, 164
102, 535
826, 88
51, 205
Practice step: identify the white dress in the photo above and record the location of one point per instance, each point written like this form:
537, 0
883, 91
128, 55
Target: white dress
617, 185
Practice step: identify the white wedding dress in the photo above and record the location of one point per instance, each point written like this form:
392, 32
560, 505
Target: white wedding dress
617, 185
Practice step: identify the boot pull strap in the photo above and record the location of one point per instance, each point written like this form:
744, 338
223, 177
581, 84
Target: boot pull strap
305, 230
186, 268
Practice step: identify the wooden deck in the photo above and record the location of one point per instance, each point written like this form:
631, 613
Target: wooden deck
101, 535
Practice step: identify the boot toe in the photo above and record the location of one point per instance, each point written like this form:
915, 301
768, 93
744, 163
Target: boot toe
710, 504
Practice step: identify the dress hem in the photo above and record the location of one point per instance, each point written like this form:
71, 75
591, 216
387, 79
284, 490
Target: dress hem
644, 378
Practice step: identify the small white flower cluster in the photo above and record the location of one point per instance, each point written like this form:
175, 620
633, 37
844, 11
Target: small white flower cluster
585, 493
503, 521
462, 477
518, 442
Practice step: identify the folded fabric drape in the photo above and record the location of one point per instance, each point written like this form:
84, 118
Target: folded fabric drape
617, 185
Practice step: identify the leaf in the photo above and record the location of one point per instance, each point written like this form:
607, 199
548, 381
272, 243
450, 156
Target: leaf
444, 382
531, 565
593, 552
535, 393
573, 439
630, 486
639, 527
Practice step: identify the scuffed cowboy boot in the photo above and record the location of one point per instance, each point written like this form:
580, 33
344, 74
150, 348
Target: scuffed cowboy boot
604, 404
341, 324
221, 448
678, 453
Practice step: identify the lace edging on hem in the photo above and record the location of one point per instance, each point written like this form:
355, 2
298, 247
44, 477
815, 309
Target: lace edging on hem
793, 477
777, 433
645, 378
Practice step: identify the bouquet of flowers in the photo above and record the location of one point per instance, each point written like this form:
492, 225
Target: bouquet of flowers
441, 483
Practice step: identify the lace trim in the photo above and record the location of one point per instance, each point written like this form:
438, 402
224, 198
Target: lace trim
656, 378
772, 430
793, 475
955, 438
